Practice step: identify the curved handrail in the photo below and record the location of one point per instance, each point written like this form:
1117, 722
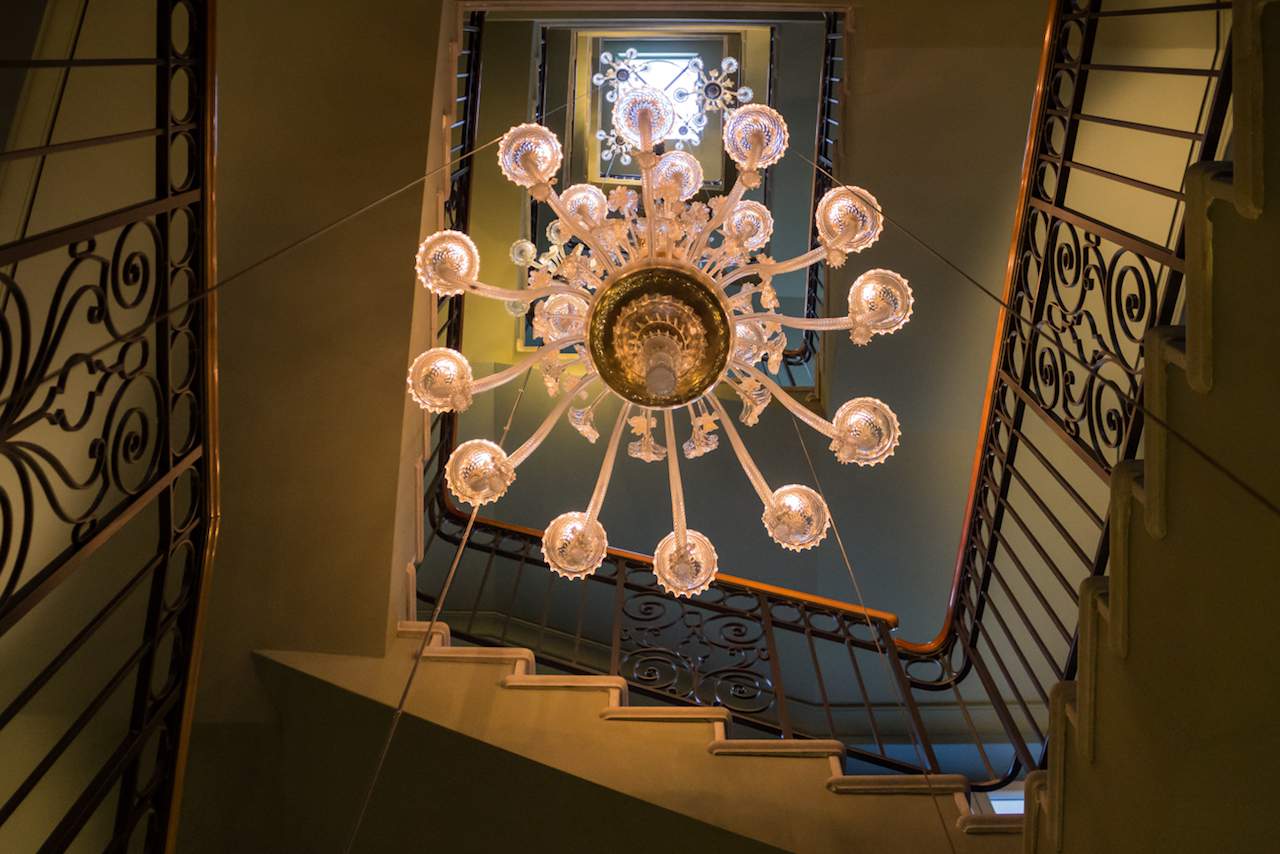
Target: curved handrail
872, 614
943, 638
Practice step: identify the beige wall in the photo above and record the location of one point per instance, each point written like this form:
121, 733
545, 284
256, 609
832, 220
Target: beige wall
320, 114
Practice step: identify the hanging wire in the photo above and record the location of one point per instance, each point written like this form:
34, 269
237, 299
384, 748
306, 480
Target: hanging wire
1092, 370
882, 653
426, 637
178, 308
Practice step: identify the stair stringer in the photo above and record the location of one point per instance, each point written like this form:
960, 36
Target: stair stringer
1074, 713
786, 793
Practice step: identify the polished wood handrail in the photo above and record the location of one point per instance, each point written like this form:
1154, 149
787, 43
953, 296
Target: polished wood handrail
213, 478
870, 614
993, 372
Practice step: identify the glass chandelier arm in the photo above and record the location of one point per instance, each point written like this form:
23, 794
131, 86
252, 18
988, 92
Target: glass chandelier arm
744, 458
526, 450
578, 228
813, 256
524, 295
818, 423
646, 179
820, 324
606, 467
730, 202
673, 474
506, 375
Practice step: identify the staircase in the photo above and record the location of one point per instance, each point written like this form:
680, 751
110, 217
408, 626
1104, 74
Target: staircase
1156, 744
1159, 743
786, 793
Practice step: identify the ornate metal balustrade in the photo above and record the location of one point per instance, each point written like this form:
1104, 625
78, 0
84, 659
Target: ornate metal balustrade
830, 94
107, 463
1096, 261
1085, 282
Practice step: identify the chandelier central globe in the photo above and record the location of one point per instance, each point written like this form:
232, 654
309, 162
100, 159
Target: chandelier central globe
659, 334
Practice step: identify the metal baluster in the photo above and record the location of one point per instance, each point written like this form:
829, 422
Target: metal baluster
775, 667
908, 699
620, 583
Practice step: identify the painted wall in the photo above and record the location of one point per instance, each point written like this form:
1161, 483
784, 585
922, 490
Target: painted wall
323, 112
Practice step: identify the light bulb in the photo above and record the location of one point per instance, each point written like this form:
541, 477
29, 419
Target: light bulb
523, 253
638, 101
678, 174
573, 545
529, 154
478, 472
750, 224
756, 129
560, 316
587, 202
688, 571
848, 219
447, 262
440, 380
749, 341
866, 432
879, 304
796, 517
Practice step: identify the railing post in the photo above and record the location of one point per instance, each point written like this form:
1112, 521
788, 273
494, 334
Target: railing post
775, 666
619, 592
997, 701
890, 652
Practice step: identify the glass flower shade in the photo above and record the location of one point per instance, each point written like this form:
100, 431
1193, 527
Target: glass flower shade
587, 202
880, 303
574, 545
529, 154
688, 571
749, 342
478, 472
447, 262
755, 130
866, 432
678, 174
750, 224
560, 317
440, 380
633, 104
848, 219
796, 517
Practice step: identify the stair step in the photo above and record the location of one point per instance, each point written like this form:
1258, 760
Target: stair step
521, 659
983, 825
578, 683
898, 784
788, 747
417, 628
713, 714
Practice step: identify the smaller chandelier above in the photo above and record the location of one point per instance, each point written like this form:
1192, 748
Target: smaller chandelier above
668, 304
711, 90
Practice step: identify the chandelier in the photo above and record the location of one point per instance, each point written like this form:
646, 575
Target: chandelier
655, 295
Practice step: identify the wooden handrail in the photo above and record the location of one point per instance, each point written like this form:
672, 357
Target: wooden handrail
1019, 223
870, 614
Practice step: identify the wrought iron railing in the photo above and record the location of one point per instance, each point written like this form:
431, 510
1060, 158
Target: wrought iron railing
1063, 406
108, 470
1096, 261
830, 94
